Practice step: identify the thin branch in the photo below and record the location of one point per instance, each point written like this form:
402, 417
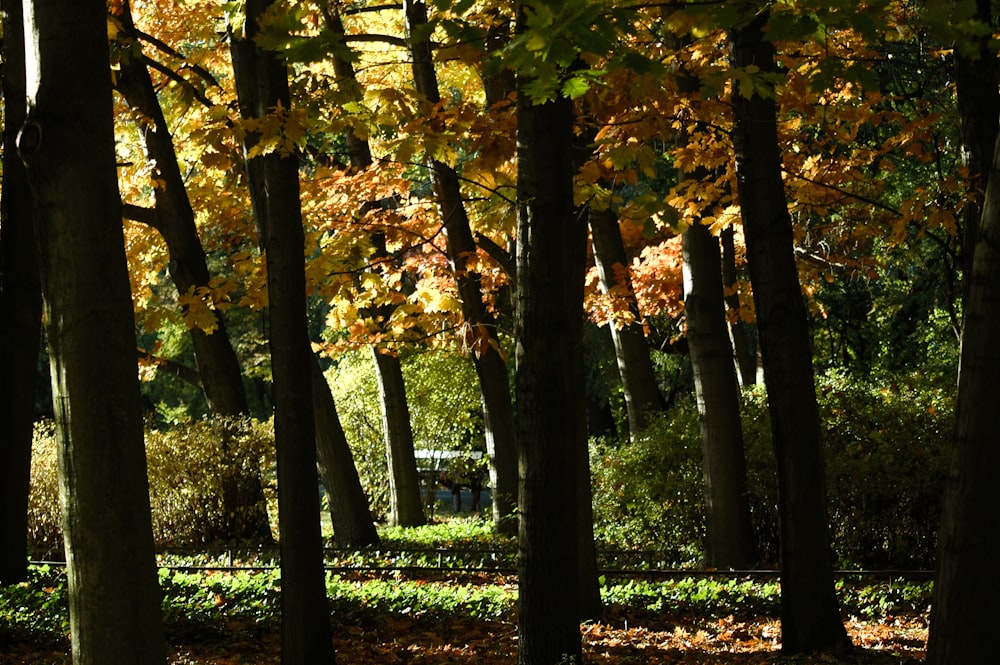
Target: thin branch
203, 73
183, 82
382, 39
500, 255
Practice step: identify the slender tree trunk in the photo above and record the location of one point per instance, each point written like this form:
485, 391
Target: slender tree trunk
67, 144
481, 326
221, 377
262, 83
810, 618
404, 484
729, 541
20, 314
642, 392
551, 258
352, 521
744, 348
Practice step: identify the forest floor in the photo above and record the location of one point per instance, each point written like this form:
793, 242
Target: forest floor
640, 638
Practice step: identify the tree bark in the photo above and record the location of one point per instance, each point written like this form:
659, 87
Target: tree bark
810, 618
642, 392
349, 511
964, 612
729, 541
67, 144
744, 348
219, 368
481, 326
262, 84
977, 84
405, 506
551, 426
20, 314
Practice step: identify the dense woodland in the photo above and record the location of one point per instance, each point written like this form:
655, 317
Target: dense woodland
714, 280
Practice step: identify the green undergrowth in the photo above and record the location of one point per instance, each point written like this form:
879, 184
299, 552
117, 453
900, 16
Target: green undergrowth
202, 606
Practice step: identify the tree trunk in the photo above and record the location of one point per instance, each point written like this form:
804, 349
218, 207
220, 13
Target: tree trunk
964, 612
729, 541
352, 519
20, 314
642, 392
405, 506
306, 635
810, 619
977, 83
551, 424
221, 377
744, 347
67, 144
481, 326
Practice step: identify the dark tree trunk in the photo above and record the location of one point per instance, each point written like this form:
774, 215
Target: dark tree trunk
352, 520
20, 314
481, 326
405, 506
977, 83
642, 392
218, 366
964, 612
810, 619
729, 541
551, 423
67, 144
262, 83
744, 346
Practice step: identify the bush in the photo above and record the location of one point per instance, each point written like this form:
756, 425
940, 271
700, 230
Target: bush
187, 472
647, 494
886, 446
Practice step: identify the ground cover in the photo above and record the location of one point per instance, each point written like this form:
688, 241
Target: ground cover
428, 596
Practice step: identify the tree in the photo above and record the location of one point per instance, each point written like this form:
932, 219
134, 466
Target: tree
729, 538
20, 314
67, 144
405, 506
729, 541
962, 615
964, 611
482, 336
551, 259
349, 511
642, 393
810, 619
173, 217
273, 177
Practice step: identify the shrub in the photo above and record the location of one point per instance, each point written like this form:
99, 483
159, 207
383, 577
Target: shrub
886, 445
187, 471
647, 494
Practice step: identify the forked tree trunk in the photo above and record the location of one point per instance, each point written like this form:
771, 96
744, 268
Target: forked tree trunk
482, 336
67, 144
262, 85
405, 506
810, 619
244, 505
20, 314
642, 392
